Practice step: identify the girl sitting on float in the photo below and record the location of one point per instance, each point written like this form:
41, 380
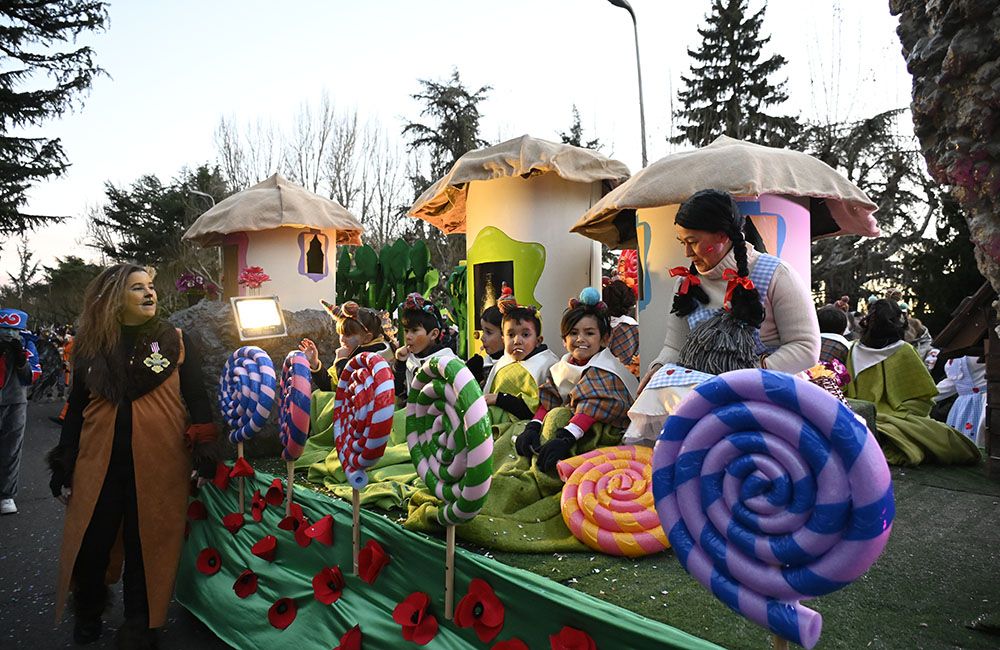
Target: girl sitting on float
491, 338
586, 395
512, 387
360, 330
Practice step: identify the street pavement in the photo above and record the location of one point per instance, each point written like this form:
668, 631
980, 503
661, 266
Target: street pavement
29, 554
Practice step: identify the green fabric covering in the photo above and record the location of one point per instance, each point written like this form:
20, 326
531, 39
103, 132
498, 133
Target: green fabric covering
392, 480
522, 510
901, 389
535, 607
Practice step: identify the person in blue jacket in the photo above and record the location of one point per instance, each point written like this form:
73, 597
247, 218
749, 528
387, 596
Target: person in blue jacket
19, 368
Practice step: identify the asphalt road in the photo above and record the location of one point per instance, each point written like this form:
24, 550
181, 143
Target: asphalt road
29, 552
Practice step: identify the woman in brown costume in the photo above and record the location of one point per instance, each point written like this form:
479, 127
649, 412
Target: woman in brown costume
138, 418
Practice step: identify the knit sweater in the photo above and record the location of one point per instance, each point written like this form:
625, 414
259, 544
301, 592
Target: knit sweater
789, 323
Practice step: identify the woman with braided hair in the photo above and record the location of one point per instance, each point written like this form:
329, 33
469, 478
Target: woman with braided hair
733, 308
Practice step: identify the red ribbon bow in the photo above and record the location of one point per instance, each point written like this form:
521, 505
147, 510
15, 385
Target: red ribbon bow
690, 279
734, 280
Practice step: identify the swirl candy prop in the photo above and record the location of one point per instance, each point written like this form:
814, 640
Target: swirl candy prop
364, 405
607, 502
246, 392
448, 430
771, 491
293, 410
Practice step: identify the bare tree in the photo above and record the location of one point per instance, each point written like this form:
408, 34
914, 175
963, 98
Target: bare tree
27, 268
248, 159
305, 151
382, 188
342, 164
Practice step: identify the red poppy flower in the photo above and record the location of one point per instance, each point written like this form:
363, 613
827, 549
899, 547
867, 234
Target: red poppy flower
257, 505
322, 531
510, 644
209, 561
241, 468
246, 584
418, 626
197, 510
282, 613
481, 610
351, 639
371, 560
298, 526
328, 585
233, 521
265, 548
570, 638
275, 494
221, 479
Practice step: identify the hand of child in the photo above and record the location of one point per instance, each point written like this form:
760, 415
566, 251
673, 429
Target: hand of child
402, 353
649, 375
491, 399
312, 354
556, 449
526, 444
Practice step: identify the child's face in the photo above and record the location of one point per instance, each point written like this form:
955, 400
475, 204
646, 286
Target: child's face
584, 340
354, 340
520, 338
491, 338
418, 339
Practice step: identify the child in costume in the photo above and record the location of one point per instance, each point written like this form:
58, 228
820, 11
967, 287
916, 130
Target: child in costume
966, 378
832, 327
491, 338
425, 335
360, 330
19, 368
620, 299
588, 379
512, 388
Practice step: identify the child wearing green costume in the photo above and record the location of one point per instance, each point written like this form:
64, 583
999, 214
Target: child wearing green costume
512, 387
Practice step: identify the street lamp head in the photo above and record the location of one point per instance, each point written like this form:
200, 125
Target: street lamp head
624, 5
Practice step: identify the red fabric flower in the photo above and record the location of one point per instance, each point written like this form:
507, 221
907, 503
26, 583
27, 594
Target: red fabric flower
298, 526
241, 468
351, 639
510, 644
282, 613
322, 531
221, 479
328, 585
209, 561
257, 505
275, 494
371, 560
265, 548
481, 610
246, 584
197, 510
418, 626
233, 521
570, 638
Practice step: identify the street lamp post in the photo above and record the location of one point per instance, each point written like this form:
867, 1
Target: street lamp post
642, 113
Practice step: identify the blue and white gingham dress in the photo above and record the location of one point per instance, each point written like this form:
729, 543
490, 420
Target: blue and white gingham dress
967, 414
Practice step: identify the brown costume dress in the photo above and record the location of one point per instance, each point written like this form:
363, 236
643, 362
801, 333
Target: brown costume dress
162, 471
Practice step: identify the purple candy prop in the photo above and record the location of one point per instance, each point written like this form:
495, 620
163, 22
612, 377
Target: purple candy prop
771, 492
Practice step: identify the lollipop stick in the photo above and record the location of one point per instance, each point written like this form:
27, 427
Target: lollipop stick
356, 532
290, 466
779, 643
239, 454
449, 573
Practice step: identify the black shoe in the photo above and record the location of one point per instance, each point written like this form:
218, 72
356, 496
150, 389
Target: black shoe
135, 634
86, 631
57, 420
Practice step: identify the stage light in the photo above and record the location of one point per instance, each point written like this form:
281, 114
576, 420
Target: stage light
258, 317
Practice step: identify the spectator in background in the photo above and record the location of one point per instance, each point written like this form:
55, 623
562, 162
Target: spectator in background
18, 369
916, 333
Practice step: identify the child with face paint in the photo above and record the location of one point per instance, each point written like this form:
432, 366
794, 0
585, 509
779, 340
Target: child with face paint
513, 383
425, 335
360, 330
589, 380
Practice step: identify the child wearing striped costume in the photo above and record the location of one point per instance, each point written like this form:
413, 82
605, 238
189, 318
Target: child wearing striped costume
360, 330
595, 386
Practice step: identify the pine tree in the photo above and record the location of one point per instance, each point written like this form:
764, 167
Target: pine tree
575, 134
40, 79
728, 87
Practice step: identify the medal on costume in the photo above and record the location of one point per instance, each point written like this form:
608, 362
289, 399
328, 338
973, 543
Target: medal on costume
156, 361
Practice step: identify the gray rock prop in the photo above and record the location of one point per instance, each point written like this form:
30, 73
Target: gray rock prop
212, 327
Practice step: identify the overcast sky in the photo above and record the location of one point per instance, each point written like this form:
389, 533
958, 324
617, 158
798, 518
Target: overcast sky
175, 68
